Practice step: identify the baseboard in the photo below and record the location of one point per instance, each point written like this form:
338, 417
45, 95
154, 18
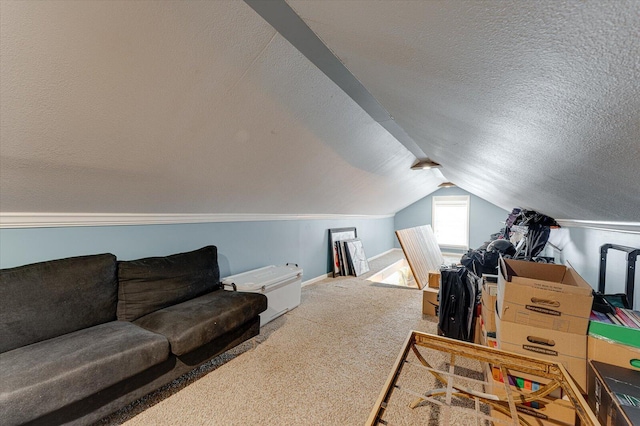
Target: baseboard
330, 275
383, 254
316, 279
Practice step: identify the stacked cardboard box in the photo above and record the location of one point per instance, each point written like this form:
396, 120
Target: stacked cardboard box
489, 293
523, 331
430, 301
543, 311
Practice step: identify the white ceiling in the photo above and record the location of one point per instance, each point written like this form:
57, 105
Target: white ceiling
202, 107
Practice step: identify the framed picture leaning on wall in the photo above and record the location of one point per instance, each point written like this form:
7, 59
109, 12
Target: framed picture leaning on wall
357, 259
336, 235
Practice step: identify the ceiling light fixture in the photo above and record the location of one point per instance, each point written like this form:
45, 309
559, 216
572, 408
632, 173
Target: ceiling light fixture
446, 185
425, 164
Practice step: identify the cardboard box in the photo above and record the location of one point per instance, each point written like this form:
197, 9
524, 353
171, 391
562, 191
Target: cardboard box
543, 295
550, 412
488, 309
518, 380
430, 302
477, 331
434, 279
610, 352
568, 349
487, 340
614, 394
618, 333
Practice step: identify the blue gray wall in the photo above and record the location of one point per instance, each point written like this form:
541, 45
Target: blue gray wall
484, 218
581, 248
247, 245
242, 246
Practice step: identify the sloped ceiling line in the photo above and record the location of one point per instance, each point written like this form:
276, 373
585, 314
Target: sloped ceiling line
474, 83
252, 64
287, 22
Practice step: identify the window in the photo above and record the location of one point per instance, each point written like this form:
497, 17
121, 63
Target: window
450, 221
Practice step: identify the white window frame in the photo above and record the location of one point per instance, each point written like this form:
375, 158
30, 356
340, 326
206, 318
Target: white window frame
450, 200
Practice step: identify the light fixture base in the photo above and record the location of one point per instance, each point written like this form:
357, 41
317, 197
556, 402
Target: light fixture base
425, 163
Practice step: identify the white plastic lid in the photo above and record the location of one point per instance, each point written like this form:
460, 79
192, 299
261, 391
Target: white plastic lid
263, 277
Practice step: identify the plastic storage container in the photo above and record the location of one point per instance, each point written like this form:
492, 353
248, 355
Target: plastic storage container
281, 284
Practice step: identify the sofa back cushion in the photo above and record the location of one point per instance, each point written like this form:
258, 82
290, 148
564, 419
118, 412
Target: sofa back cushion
153, 283
49, 299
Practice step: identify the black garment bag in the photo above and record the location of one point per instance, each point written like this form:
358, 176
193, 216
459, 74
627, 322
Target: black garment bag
458, 299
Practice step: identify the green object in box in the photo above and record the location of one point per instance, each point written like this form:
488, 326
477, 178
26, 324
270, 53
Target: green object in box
617, 333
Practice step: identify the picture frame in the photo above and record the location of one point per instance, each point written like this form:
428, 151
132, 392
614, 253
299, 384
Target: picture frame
336, 235
356, 256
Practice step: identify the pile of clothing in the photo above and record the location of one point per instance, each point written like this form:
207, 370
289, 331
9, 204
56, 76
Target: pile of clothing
524, 237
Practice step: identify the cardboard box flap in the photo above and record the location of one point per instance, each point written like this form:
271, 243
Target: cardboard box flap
521, 268
544, 276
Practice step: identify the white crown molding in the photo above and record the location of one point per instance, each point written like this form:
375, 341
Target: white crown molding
629, 227
54, 220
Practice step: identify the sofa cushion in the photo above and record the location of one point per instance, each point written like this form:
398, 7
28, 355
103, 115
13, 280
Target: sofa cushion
42, 377
153, 283
196, 322
49, 299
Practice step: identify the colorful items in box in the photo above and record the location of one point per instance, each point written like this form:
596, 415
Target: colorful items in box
520, 383
624, 317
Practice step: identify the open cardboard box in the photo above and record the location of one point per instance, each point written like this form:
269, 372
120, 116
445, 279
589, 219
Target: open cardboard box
543, 295
614, 393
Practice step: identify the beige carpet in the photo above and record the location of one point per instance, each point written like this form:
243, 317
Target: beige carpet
323, 363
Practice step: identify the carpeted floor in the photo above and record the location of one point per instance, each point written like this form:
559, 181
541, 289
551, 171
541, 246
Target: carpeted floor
323, 363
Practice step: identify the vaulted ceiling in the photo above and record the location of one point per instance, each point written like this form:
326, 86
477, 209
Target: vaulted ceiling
203, 107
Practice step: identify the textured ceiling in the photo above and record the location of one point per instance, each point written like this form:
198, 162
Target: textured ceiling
202, 107
182, 107
532, 104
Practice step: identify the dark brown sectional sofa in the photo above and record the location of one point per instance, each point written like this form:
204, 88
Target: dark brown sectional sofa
84, 336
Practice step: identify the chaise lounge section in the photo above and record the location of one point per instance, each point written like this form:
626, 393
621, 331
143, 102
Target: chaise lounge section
84, 336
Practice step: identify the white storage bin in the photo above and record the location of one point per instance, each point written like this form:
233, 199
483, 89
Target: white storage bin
281, 284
